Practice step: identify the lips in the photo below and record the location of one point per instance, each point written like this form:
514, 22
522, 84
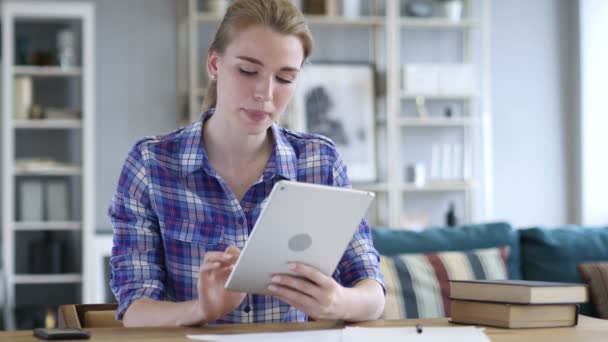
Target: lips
255, 115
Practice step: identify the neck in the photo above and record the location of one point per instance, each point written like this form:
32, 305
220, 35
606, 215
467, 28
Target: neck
226, 143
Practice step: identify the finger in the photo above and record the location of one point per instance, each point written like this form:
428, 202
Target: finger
292, 297
219, 257
210, 266
233, 250
310, 273
299, 284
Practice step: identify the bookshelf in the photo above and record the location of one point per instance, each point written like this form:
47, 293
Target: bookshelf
48, 226
400, 131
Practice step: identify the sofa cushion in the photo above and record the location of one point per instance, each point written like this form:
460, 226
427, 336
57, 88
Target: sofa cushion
476, 236
417, 285
595, 275
554, 254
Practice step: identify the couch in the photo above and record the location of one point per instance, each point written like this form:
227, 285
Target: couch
440, 254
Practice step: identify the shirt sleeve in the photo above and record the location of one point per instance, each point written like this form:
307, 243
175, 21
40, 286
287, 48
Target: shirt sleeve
137, 254
360, 260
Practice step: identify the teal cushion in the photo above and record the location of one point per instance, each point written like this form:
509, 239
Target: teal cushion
476, 236
554, 254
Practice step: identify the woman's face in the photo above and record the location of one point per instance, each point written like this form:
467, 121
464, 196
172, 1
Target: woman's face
256, 77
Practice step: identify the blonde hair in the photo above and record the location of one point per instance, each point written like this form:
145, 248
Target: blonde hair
280, 15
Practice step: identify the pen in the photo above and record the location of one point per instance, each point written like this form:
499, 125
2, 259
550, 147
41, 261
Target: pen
419, 328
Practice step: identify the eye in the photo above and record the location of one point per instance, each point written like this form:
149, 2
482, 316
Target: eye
247, 72
284, 81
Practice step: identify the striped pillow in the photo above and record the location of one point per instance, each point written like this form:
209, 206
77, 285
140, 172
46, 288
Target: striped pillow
417, 285
595, 274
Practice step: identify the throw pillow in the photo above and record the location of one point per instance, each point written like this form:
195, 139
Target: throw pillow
595, 275
417, 285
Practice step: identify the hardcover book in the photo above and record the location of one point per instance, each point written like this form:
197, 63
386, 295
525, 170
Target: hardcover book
505, 315
518, 291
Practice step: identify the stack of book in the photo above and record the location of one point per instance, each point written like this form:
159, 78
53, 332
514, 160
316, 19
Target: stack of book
516, 303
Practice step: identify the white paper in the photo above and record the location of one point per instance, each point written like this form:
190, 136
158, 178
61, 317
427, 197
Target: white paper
291, 336
452, 334
357, 334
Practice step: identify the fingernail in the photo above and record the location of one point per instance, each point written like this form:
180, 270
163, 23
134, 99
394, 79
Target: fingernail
276, 279
272, 288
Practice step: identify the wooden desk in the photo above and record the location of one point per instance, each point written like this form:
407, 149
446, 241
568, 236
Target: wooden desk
588, 329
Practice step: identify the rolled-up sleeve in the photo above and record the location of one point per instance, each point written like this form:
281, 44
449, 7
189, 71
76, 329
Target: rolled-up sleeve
360, 260
137, 254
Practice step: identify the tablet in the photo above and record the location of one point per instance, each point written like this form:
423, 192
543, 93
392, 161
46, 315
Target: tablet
301, 222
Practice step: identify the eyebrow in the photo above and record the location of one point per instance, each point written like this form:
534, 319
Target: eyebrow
258, 62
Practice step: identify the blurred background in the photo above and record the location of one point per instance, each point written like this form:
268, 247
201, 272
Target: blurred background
453, 112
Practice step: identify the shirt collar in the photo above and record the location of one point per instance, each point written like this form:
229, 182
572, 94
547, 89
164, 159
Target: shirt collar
193, 156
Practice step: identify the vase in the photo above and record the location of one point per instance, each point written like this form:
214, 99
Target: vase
451, 10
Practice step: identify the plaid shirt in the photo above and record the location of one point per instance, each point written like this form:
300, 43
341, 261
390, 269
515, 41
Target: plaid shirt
170, 207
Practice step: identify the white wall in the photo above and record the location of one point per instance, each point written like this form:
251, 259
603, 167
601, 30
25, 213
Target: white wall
533, 48
594, 118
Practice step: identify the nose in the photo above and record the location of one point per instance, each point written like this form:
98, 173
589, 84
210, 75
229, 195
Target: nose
263, 89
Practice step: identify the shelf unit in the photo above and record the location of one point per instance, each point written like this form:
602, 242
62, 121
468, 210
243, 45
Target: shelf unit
20, 19
388, 26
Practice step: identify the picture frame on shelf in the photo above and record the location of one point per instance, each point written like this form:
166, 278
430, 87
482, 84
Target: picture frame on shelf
337, 100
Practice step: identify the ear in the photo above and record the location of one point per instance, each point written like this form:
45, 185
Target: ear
212, 64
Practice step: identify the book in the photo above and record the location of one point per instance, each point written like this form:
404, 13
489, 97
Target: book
518, 291
506, 315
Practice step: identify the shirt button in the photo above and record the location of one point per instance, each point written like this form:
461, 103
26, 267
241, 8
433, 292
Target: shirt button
247, 309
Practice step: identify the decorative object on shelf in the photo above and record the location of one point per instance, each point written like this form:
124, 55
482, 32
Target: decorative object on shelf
46, 254
313, 7
22, 50
36, 112
415, 221
421, 107
415, 174
43, 58
450, 217
337, 101
66, 48
450, 9
31, 195
418, 8
351, 8
448, 112
23, 94
446, 162
217, 7
57, 200
435, 79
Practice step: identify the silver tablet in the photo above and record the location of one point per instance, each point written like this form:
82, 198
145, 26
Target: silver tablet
300, 222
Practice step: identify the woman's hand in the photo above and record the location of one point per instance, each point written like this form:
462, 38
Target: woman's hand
316, 294
214, 301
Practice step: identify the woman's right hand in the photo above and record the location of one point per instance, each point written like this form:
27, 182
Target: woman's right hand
214, 301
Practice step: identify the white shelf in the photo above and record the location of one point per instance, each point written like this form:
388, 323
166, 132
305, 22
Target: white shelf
48, 124
342, 21
59, 170
375, 187
47, 71
67, 278
435, 122
437, 186
436, 23
409, 96
49, 225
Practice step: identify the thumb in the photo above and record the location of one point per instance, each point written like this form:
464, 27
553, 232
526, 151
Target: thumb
233, 250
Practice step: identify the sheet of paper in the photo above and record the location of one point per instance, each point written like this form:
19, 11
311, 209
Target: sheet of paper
357, 334
452, 334
292, 336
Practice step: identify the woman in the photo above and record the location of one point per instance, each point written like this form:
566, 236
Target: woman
186, 201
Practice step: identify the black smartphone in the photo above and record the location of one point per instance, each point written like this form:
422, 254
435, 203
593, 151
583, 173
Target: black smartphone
62, 334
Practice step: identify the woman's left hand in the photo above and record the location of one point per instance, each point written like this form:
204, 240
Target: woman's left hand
315, 293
